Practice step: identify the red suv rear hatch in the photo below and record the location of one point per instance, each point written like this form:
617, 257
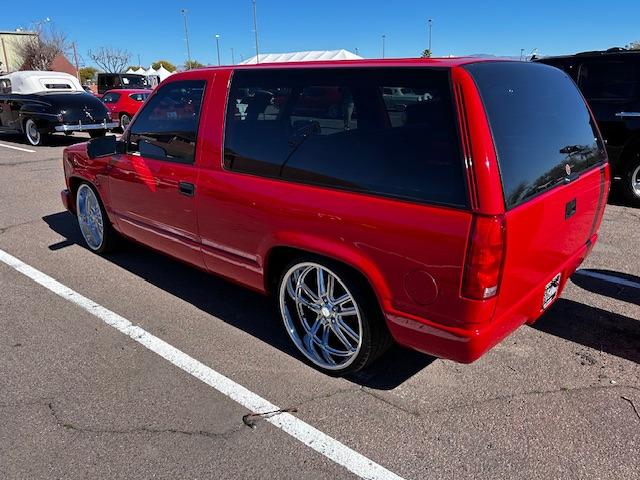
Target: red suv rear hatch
554, 174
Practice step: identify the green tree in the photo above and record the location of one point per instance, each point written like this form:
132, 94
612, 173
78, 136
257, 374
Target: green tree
87, 74
166, 64
191, 64
426, 53
634, 45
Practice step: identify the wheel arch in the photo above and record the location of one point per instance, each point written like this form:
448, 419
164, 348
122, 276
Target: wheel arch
279, 255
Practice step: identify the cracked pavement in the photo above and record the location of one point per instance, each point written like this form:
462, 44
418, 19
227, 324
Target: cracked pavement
79, 400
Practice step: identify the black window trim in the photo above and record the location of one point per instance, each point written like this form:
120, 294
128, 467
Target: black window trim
466, 207
195, 146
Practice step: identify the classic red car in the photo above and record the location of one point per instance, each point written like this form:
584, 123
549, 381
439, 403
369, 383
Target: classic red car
444, 226
124, 104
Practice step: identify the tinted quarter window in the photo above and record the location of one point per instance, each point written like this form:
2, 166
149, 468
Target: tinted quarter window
540, 125
111, 97
139, 97
167, 127
610, 80
344, 128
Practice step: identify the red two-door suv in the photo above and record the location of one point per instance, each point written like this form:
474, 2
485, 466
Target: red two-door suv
443, 225
124, 104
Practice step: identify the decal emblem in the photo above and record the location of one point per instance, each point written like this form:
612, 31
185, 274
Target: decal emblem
567, 168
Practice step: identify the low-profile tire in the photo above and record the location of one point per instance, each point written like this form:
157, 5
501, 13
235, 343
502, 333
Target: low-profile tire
97, 133
96, 230
33, 135
331, 315
631, 179
125, 119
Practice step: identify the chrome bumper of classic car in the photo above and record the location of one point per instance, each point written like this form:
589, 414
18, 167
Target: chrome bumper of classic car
81, 127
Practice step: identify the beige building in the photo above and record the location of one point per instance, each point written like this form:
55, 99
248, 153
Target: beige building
9, 41
12, 61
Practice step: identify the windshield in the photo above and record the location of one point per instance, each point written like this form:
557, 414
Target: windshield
542, 129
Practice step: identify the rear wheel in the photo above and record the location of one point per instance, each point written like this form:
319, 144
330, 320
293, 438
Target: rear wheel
331, 315
94, 224
631, 179
32, 134
125, 120
97, 133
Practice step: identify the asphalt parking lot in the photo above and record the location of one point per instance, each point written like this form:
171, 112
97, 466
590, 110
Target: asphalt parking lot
80, 399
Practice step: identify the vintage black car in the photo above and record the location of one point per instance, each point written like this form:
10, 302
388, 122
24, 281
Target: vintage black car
41, 103
610, 81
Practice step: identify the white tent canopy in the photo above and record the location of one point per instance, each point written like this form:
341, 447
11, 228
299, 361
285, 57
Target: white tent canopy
311, 56
131, 70
162, 72
150, 71
139, 71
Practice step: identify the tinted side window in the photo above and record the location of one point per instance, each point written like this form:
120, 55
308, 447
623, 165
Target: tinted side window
139, 97
540, 125
111, 97
5, 85
167, 126
387, 131
610, 80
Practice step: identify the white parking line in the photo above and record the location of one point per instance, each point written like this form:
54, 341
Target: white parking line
17, 148
305, 433
609, 278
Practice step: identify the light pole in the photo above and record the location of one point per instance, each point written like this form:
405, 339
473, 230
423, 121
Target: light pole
384, 38
255, 29
218, 47
521, 53
430, 23
233, 57
186, 34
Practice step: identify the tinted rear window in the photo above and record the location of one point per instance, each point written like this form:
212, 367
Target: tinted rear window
342, 128
540, 124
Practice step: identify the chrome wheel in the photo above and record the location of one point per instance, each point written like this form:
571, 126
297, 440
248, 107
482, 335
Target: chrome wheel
124, 121
321, 315
31, 131
635, 181
90, 217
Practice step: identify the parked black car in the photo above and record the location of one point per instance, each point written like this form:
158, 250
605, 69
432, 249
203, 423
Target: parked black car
40, 103
610, 81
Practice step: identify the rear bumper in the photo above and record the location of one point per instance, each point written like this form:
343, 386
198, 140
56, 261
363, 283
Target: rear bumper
82, 127
466, 345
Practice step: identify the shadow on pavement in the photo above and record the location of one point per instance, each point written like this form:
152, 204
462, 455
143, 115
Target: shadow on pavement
593, 327
57, 140
591, 280
242, 308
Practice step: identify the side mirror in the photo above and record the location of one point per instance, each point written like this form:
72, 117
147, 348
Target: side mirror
103, 146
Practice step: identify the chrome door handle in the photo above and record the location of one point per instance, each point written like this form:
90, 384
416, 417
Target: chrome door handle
628, 114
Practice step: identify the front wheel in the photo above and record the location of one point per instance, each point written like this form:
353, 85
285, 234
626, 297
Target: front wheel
631, 180
331, 316
93, 221
97, 133
32, 133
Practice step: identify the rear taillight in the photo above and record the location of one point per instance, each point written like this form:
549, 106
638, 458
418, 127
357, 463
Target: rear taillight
485, 254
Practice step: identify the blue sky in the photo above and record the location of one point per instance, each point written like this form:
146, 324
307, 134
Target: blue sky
155, 30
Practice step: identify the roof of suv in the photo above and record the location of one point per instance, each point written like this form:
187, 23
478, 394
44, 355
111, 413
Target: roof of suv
383, 62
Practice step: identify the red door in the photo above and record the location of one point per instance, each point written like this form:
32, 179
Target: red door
152, 187
153, 201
